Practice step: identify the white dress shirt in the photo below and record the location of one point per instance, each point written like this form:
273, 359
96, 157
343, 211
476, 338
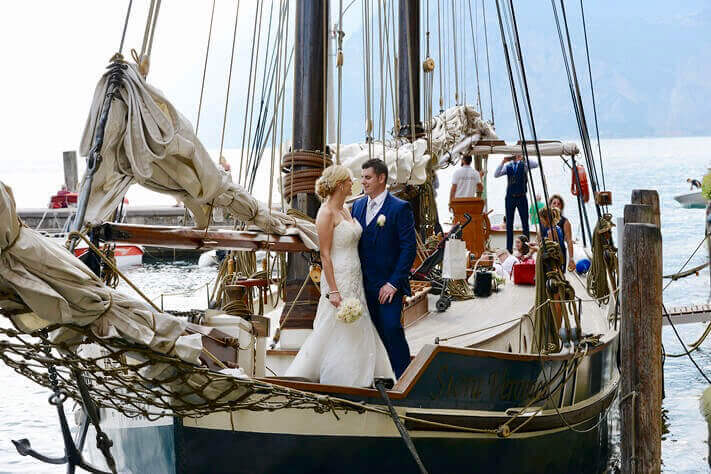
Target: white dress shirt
501, 169
374, 206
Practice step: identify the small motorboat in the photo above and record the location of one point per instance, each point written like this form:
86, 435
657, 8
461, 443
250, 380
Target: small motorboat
693, 200
126, 255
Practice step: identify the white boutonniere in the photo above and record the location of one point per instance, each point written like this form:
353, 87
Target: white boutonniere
381, 220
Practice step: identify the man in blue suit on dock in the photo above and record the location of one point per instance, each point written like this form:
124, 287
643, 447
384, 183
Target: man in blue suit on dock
387, 250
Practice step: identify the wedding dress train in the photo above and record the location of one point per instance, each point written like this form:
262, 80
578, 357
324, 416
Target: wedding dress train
338, 353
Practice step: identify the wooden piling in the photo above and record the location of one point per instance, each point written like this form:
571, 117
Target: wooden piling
641, 337
639, 214
651, 198
71, 177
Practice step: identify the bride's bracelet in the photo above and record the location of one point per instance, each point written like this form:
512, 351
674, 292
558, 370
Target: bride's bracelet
332, 293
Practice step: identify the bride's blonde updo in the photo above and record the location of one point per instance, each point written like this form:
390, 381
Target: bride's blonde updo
330, 179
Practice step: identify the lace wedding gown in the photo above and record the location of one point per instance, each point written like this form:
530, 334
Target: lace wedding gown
338, 353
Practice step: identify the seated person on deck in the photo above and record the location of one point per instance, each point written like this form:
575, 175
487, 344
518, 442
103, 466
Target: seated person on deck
547, 230
523, 252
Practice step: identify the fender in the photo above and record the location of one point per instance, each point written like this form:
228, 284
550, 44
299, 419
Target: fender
582, 175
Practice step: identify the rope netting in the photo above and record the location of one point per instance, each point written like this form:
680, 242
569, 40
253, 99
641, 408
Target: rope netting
138, 382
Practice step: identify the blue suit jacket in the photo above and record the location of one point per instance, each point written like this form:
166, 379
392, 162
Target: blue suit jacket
387, 252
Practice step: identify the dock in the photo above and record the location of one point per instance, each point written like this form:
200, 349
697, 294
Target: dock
688, 314
53, 221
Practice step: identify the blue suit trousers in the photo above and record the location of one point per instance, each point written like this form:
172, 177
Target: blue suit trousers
386, 318
512, 204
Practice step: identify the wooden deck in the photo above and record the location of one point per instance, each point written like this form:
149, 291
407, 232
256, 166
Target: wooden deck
473, 322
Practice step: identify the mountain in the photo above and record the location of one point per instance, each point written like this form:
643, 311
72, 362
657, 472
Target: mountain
651, 67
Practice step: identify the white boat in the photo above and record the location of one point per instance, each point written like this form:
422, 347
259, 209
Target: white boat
691, 200
127, 255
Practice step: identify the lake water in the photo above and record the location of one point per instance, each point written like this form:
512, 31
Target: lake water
659, 163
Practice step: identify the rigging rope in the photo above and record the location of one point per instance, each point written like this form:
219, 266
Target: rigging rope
260, 134
254, 149
454, 43
204, 69
593, 171
250, 98
592, 92
382, 95
519, 120
339, 65
274, 132
125, 26
153, 29
441, 64
687, 352
367, 78
250, 93
488, 66
577, 102
146, 32
476, 56
229, 81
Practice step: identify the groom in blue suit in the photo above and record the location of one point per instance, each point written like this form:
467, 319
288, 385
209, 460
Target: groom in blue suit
387, 249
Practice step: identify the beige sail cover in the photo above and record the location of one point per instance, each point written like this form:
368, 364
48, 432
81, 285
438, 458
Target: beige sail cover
407, 161
147, 141
60, 289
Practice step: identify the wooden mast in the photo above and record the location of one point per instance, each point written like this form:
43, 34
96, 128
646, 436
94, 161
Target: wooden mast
308, 155
409, 68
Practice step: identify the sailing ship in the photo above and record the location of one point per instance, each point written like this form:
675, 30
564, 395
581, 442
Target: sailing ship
522, 380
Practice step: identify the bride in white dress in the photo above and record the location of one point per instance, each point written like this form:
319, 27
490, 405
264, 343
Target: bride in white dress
339, 353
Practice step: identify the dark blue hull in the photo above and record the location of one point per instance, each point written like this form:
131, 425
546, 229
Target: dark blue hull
465, 388
182, 450
232, 452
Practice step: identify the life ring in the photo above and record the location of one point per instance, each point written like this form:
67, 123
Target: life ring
583, 177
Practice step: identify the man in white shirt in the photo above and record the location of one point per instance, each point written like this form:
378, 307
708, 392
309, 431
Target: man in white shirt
466, 181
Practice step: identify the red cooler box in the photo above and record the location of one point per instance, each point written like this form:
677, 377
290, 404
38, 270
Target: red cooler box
524, 273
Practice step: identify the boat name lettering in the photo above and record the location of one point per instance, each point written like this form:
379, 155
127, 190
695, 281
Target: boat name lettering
497, 385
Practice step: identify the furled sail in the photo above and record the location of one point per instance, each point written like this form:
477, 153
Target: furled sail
407, 162
147, 141
454, 130
60, 289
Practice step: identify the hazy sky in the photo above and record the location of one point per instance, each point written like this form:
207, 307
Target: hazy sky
55, 52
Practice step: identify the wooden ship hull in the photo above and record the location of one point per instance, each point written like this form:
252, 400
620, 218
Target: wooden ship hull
481, 401
453, 382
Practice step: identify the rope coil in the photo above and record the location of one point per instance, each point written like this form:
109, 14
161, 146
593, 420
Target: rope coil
303, 180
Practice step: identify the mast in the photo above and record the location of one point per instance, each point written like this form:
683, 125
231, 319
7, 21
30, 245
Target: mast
409, 68
308, 154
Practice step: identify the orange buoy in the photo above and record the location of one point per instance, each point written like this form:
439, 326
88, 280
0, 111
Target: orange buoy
583, 177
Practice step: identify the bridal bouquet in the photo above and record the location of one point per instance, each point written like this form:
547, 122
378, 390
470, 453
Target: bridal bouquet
350, 310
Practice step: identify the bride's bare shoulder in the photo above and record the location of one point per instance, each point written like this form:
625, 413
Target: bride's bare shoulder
325, 216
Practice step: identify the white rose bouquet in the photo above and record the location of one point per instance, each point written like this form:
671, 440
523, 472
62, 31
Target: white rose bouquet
350, 310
